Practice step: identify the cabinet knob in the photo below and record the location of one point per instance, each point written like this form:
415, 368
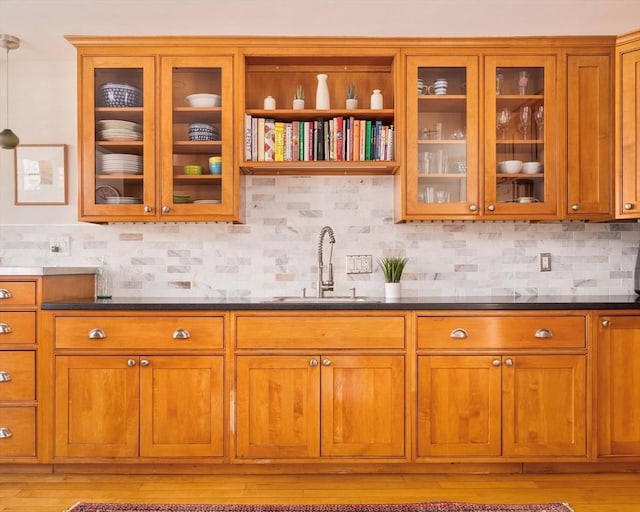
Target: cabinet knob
166, 209
97, 334
144, 362
326, 362
459, 334
575, 207
543, 333
509, 361
313, 362
5, 294
131, 362
181, 334
628, 206
148, 209
495, 362
5, 433
473, 207
5, 328
491, 207
606, 323
4, 376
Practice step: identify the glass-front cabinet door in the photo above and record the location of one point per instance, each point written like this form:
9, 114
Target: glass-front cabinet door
117, 153
442, 137
521, 166
196, 147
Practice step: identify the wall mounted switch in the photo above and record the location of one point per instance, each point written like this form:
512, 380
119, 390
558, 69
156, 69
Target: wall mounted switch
545, 262
359, 264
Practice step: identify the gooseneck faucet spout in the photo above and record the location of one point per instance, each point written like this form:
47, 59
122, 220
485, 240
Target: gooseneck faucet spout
323, 285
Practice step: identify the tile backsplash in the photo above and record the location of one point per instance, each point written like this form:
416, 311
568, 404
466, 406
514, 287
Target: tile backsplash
274, 252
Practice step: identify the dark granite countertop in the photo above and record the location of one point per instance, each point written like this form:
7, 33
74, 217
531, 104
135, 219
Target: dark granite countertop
409, 303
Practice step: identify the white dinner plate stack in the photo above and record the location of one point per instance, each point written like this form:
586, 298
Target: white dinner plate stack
122, 200
118, 163
115, 129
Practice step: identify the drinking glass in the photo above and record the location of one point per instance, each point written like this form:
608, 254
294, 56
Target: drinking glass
525, 121
539, 117
503, 119
523, 82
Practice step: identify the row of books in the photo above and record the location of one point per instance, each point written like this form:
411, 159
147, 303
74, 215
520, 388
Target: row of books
336, 139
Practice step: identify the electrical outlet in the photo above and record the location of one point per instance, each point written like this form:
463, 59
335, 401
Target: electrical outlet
60, 245
545, 262
359, 264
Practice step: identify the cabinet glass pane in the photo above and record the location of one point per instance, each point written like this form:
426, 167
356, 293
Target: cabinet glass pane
442, 131
119, 156
520, 135
197, 135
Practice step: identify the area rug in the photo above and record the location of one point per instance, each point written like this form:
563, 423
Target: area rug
435, 506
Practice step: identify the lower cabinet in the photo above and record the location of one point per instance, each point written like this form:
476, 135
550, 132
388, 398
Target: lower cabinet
323, 405
618, 386
499, 405
139, 406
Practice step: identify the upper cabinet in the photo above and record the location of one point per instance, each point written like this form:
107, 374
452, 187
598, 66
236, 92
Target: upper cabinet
297, 117
148, 148
627, 127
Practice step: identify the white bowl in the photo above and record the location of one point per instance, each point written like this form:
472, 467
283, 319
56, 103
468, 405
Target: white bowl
203, 100
510, 166
526, 200
531, 167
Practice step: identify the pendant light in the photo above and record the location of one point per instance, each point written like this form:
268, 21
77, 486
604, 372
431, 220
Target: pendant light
8, 139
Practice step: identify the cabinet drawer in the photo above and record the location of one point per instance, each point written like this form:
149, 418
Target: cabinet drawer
321, 332
17, 293
17, 327
19, 424
17, 375
450, 332
139, 332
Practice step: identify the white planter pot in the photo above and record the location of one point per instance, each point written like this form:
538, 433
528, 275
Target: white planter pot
298, 104
392, 291
352, 104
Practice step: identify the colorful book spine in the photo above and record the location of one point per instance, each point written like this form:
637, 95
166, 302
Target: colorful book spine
269, 139
338, 126
356, 140
289, 150
247, 137
278, 141
260, 139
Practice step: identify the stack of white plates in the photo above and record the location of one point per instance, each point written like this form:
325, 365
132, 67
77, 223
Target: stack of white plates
207, 201
118, 163
115, 129
122, 200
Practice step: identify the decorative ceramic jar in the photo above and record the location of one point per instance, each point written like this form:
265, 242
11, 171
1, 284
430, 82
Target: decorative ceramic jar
322, 93
376, 100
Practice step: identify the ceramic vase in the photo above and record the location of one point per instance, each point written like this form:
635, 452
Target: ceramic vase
269, 103
392, 291
298, 104
352, 103
376, 100
322, 93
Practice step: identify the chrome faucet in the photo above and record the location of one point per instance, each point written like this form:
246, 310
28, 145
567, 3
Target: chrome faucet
322, 285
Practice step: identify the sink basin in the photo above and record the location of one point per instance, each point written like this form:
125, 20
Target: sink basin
321, 300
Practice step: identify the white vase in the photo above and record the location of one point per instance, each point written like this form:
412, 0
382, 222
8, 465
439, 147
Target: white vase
269, 103
376, 100
298, 104
322, 93
352, 103
392, 291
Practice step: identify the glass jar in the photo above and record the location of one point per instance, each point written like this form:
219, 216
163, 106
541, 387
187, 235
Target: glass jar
103, 282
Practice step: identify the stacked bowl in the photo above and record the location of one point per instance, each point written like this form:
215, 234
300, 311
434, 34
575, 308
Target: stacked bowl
203, 132
120, 95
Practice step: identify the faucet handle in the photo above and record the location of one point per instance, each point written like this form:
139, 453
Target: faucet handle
304, 293
353, 292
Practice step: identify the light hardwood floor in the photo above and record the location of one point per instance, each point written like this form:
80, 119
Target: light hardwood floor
584, 492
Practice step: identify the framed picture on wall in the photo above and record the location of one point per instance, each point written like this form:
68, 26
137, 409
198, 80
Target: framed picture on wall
41, 174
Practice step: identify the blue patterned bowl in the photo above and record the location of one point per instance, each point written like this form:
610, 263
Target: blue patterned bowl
121, 95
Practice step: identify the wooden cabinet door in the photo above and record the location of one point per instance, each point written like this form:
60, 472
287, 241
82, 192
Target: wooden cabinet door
459, 406
96, 406
543, 405
589, 137
181, 406
363, 406
278, 406
618, 385
628, 131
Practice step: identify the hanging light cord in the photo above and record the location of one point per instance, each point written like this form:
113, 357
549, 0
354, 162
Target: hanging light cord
7, 87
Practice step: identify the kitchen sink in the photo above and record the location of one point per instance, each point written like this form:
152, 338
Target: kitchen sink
321, 300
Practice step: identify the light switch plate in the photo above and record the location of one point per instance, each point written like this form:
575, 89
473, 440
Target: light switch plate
545, 262
359, 264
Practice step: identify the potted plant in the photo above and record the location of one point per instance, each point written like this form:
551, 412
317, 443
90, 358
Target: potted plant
392, 268
352, 99
298, 99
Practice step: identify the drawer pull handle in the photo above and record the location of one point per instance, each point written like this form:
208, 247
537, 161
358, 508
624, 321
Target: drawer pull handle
181, 334
509, 361
5, 433
459, 334
5, 328
4, 376
606, 323
5, 294
313, 362
495, 362
131, 362
97, 334
326, 362
543, 333
144, 362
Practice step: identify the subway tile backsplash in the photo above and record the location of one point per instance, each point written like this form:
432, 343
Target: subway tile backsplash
274, 252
